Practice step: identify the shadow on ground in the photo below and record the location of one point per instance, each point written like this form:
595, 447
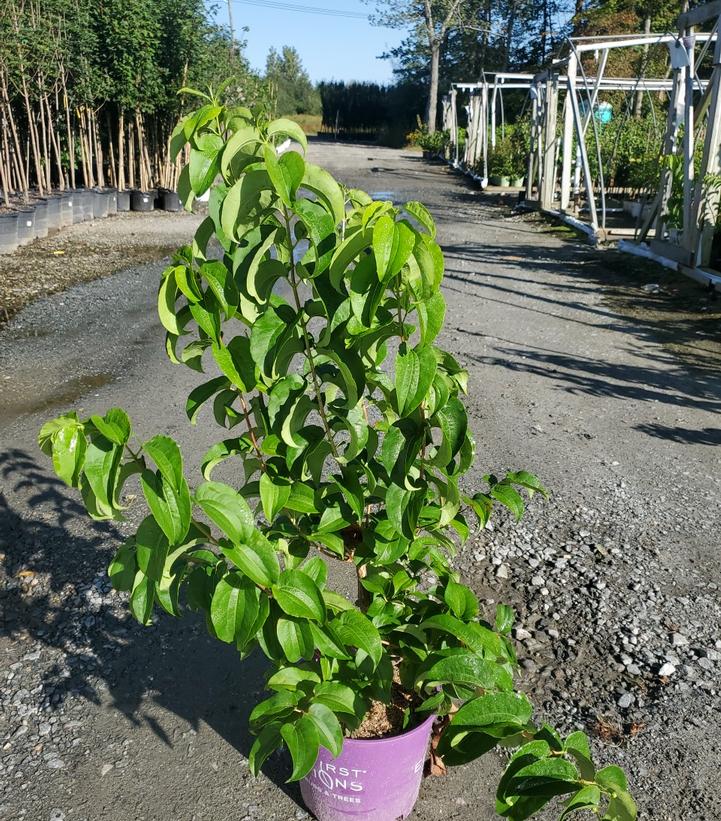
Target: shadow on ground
175, 662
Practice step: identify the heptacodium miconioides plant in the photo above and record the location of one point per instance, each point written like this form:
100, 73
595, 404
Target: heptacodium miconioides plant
319, 321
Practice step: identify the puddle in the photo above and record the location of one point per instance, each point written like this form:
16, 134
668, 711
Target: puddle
33, 400
383, 195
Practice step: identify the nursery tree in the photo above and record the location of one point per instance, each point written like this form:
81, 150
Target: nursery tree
289, 83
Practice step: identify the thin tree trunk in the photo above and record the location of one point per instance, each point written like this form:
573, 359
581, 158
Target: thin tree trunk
432, 113
121, 151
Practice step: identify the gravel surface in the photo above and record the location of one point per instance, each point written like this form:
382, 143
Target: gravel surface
579, 371
87, 251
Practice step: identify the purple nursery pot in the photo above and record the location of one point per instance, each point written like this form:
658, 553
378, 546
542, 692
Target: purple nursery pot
375, 779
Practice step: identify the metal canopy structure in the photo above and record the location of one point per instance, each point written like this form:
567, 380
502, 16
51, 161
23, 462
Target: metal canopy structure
563, 100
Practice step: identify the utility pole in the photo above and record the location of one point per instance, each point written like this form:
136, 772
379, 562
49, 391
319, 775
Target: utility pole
230, 23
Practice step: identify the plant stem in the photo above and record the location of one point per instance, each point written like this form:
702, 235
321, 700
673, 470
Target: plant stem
251, 432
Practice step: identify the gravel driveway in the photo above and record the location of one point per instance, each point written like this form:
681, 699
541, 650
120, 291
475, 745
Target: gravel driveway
581, 370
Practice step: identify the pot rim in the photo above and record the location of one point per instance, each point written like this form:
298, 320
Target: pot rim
422, 727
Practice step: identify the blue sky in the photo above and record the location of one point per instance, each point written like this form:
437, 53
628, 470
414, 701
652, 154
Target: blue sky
331, 47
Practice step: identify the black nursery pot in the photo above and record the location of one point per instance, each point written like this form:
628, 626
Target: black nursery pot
8, 232
169, 200
123, 201
26, 225
142, 200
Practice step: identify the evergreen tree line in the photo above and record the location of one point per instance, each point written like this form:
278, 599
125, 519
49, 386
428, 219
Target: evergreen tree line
89, 88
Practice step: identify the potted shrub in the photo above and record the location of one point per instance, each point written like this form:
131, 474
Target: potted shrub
319, 325
500, 163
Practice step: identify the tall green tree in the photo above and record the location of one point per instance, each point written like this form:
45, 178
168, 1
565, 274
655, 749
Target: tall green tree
430, 20
289, 83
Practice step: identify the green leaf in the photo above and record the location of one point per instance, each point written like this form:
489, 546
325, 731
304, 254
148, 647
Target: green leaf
257, 559
414, 375
547, 777
264, 334
587, 798
621, 807
268, 741
69, 446
123, 567
221, 451
288, 678
295, 638
453, 422
115, 425
505, 618
101, 466
527, 480
203, 168
235, 362
338, 697
421, 213
431, 314
166, 454
461, 600
356, 630
468, 669
351, 247
234, 608
228, 509
151, 548
142, 598
301, 499
303, 742
503, 709
326, 640
321, 183
288, 128
383, 235
167, 295
612, 778
509, 497
280, 183
298, 595
330, 733
273, 496
280, 705
200, 395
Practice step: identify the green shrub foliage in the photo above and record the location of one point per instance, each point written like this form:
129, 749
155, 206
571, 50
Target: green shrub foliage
316, 332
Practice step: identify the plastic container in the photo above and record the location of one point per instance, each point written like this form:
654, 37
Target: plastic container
41, 219
169, 200
100, 203
26, 225
112, 194
53, 212
371, 780
142, 200
8, 231
123, 200
66, 208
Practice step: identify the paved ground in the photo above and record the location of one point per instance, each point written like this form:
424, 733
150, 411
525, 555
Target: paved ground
610, 393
